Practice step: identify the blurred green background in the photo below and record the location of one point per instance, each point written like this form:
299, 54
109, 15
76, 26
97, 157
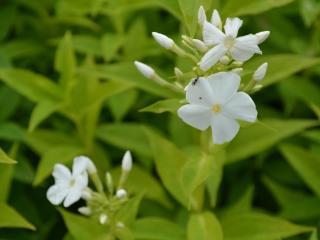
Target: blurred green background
90, 100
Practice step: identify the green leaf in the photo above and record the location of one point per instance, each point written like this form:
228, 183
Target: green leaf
260, 137
9, 218
65, 61
126, 72
189, 9
253, 226
59, 154
280, 66
169, 163
309, 10
295, 205
4, 158
168, 105
41, 112
117, 135
11, 132
204, 226
110, 44
141, 180
152, 228
314, 236
82, 228
87, 44
306, 164
31, 85
237, 8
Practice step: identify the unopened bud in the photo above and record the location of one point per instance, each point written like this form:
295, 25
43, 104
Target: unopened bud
201, 16
163, 40
86, 194
86, 211
120, 225
237, 70
237, 64
127, 162
225, 60
260, 73
216, 19
103, 218
121, 193
262, 36
144, 69
199, 45
178, 73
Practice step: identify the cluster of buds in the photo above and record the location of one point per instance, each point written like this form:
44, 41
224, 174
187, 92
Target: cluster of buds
218, 54
103, 205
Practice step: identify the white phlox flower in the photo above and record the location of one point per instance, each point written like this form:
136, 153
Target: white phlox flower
69, 186
227, 42
215, 101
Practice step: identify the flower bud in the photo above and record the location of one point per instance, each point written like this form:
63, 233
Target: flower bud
86, 211
103, 218
216, 19
199, 45
178, 73
120, 225
127, 162
91, 167
109, 182
144, 69
225, 60
86, 194
260, 73
201, 16
237, 70
262, 36
163, 40
121, 193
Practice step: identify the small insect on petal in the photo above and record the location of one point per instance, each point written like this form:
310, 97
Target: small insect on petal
144, 69
163, 40
260, 73
127, 162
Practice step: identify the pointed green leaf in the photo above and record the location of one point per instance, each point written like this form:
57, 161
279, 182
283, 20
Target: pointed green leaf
4, 158
306, 164
260, 137
253, 226
168, 105
9, 218
204, 226
189, 9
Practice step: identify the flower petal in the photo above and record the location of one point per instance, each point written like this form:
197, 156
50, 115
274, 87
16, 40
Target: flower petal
223, 85
56, 194
73, 196
242, 107
211, 34
61, 174
232, 26
81, 180
79, 165
245, 47
224, 129
212, 57
195, 115
199, 92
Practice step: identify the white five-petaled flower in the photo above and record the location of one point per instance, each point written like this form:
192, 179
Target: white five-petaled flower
215, 101
227, 42
68, 187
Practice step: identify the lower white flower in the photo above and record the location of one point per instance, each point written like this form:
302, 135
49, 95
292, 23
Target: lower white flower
68, 187
215, 101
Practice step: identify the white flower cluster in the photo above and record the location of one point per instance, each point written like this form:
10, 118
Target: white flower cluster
216, 97
70, 187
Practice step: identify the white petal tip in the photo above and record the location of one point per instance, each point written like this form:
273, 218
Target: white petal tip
201, 15
127, 162
262, 36
163, 40
260, 73
144, 69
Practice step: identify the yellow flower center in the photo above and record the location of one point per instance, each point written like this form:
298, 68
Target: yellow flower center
216, 108
72, 182
229, 42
